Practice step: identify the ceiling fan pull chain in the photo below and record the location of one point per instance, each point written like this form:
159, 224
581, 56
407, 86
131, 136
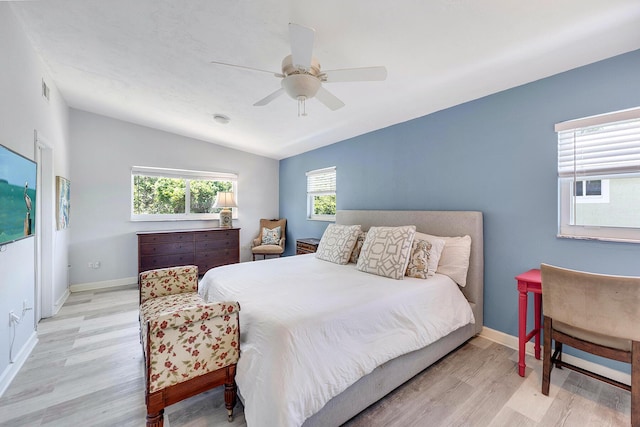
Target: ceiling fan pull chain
302, 106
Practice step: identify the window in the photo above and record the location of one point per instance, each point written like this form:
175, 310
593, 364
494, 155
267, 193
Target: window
599, 177
321, 194
159, 194
592, 191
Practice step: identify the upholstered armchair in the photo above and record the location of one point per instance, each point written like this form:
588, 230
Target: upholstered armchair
189, 346
595, 313
271, 238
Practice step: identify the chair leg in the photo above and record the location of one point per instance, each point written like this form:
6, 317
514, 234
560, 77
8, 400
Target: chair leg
546, 361
156, 419
558, 350
635, 383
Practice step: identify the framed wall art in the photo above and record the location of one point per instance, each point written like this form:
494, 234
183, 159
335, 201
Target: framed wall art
63, 193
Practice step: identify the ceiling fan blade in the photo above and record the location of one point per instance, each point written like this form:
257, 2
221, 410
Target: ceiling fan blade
247, 68
356, 74
329, 99
301, 39
269, 98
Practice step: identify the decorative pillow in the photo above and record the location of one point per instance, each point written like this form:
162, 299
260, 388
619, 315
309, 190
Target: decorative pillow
337, 242
271, 236
437, 245
386, 250
355, 253
419, 259
454, 261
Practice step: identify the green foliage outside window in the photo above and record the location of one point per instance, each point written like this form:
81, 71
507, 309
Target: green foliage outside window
159, 195
203, 194
324, 205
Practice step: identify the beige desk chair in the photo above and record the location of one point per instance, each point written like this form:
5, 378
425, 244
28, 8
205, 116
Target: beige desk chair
595, 313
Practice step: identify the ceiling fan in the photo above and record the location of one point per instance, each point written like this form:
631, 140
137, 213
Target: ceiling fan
302, 77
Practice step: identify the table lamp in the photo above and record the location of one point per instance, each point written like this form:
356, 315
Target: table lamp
225, 200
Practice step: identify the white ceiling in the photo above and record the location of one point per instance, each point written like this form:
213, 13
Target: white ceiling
148, 61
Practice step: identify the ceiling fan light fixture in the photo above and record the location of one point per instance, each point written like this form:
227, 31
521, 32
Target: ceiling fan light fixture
297, 85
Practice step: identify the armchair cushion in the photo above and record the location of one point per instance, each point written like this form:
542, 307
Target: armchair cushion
187, 337
268, 249
168, 281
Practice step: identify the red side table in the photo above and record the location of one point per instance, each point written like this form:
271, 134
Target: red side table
528, 282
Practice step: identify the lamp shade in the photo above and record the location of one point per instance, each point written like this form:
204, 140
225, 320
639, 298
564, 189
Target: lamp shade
225, 200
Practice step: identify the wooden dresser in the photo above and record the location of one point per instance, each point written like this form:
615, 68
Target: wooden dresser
206, 248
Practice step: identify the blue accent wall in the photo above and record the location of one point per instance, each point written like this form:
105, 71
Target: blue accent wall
497, 155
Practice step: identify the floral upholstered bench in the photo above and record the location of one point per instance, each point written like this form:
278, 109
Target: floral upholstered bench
189, 346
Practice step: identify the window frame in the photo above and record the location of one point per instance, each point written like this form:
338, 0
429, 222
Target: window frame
328, 189
187, 175
568, 177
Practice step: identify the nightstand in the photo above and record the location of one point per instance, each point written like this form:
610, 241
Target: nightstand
306, 246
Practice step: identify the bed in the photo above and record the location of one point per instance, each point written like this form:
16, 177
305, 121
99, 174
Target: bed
309, 353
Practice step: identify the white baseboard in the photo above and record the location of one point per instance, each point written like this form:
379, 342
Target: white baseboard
12, 370
512, 342
104, 284
60, 302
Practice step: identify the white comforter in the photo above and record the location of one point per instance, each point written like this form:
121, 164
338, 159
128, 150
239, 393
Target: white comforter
311, 328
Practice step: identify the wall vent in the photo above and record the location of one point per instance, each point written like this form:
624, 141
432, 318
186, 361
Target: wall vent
45, 90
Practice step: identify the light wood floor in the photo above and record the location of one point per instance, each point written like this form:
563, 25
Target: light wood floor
87, 368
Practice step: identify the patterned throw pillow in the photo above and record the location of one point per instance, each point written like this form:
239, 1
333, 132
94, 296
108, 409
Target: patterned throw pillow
386, 250
355, 253
419, 260
337, 242
437, 246
271, 236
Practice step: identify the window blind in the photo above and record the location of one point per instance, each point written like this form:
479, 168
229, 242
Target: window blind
594, 147
321, 181
181, 173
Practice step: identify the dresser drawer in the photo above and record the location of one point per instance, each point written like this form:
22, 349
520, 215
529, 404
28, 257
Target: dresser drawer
210, 260
205, 245
165, 248
217, 235
162, 261
165, 237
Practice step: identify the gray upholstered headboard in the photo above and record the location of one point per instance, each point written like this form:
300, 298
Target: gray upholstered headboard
438, 223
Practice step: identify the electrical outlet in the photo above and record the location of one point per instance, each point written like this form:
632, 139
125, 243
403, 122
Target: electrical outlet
13, 318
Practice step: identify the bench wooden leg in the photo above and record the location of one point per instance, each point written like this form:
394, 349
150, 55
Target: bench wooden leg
230, 391
156, 419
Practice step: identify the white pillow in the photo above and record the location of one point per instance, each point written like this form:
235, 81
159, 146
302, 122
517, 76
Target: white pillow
337, 242
454, 260
437, 245
386, 250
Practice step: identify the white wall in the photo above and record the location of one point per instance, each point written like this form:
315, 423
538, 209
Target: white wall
103, 150
23, 110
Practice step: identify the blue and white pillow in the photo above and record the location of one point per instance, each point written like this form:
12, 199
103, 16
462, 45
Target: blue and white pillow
271, 236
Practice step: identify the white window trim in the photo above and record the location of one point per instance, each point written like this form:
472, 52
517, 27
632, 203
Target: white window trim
566, 228
310, 195
185, 174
